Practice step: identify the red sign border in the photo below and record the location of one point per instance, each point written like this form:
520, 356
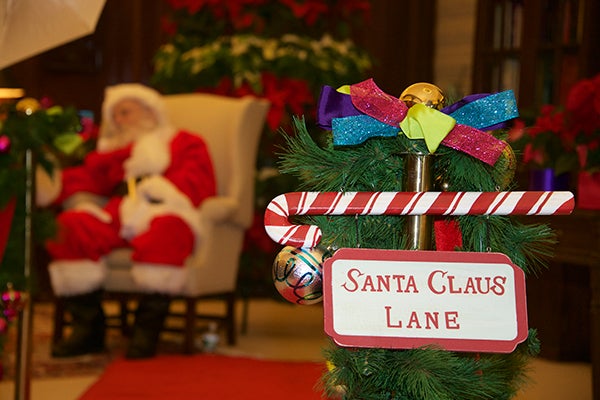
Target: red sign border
403, 342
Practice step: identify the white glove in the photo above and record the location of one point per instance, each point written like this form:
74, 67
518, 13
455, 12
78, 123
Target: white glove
154, 196
150, 155
47, 187
136, 214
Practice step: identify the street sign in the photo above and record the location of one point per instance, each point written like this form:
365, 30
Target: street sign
399, 299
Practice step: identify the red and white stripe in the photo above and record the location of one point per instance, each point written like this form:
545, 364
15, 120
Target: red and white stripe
279, 228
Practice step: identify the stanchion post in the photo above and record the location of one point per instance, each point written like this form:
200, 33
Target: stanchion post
417, 178
25, 322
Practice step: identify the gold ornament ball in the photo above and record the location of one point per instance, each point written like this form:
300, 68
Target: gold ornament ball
28, 105
424, 93
298, 274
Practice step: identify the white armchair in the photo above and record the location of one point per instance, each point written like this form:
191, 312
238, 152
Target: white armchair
231, 128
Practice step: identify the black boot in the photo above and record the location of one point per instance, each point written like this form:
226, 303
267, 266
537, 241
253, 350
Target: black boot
149, 319
88, 329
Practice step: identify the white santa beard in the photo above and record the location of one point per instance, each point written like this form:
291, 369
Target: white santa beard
114, 139
120, 138
132, 133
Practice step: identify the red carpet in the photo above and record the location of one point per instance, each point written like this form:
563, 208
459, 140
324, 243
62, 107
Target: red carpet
207, 377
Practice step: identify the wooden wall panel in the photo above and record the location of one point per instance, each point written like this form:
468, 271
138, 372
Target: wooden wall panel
454, 46
400, 37
401, 41
120, 50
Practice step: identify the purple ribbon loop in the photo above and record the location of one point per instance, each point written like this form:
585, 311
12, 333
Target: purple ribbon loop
333, 104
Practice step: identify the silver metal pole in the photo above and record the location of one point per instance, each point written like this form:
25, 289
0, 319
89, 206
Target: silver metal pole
25, 322
417, 178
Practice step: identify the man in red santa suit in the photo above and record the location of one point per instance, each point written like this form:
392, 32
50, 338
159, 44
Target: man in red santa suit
174, 174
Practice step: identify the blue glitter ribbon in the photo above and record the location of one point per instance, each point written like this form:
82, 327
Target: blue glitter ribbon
358, 128
487, 111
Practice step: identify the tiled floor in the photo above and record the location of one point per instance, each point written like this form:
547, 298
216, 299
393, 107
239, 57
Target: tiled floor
284, 331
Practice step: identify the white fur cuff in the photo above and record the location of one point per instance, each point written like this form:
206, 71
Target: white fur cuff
74, 277
48, 187
161, 278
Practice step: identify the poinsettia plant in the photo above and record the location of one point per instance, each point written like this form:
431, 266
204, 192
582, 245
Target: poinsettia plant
565, 138
281, 50
583, 122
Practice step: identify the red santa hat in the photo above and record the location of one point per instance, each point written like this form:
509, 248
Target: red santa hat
145, 95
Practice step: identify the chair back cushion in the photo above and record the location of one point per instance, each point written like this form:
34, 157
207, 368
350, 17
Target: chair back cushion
231, 128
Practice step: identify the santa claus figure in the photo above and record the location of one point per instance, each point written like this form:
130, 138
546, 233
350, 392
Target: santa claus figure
154, 177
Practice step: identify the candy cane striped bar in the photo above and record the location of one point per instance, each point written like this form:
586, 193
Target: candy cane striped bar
281, 230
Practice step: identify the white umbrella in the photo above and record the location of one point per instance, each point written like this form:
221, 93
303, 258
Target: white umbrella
30, 27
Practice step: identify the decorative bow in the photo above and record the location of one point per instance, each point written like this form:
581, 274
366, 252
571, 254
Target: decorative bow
358, 112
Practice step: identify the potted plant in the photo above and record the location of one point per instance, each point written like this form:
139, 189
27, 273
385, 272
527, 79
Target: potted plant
564, 142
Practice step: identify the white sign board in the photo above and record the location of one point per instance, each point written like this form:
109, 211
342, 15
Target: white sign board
405, 299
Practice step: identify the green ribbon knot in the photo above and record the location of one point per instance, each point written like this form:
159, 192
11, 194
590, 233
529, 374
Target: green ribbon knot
427, 123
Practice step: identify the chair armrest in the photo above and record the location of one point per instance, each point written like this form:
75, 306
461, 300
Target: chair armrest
218, 209
83, 197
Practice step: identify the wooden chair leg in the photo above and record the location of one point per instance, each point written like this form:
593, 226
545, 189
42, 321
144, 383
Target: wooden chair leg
245, 310
59, 321
190, 325
230, 319
124, 317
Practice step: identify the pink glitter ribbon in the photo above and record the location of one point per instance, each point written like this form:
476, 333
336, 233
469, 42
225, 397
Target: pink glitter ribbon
476, 143
370, 100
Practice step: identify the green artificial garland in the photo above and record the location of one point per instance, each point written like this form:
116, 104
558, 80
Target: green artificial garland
46, 132
377, 165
